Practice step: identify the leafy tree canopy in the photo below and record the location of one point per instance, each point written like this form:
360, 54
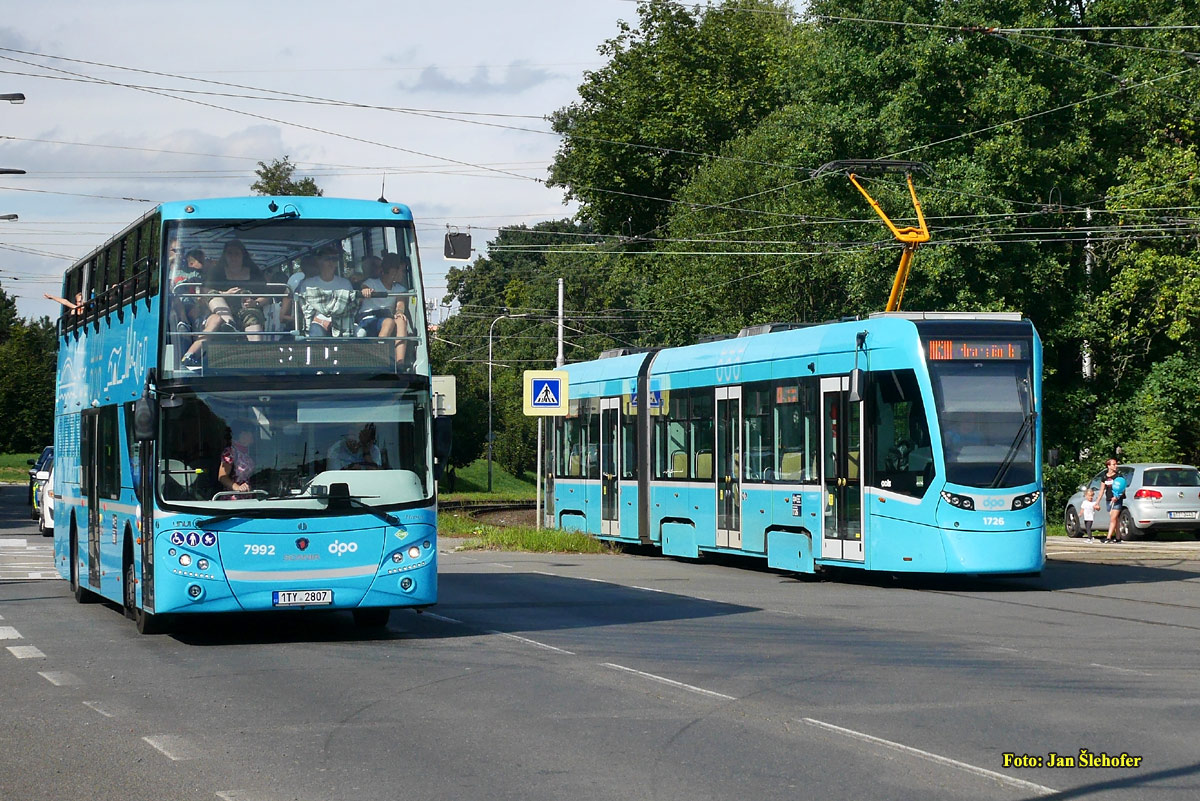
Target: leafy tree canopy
276, 179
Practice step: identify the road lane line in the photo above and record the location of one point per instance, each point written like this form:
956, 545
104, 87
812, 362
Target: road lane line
1020, 784
95, 707
544, 573
60, 678
173, 746
672, 682
528, 641
436, 616
649, 589
26, 652
9, 633
1119, 669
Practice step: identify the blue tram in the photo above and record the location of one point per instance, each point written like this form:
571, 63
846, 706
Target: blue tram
902, 442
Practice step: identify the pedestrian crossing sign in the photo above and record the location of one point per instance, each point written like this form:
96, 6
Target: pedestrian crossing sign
545, 393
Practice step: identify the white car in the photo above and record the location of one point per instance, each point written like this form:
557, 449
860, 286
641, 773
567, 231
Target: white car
46, 510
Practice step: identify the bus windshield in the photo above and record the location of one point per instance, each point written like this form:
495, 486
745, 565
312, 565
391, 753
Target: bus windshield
986, 414
237, 451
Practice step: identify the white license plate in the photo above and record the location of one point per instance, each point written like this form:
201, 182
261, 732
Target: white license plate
302, 597
1181, 515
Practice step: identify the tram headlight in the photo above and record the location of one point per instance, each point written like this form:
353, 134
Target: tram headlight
959, 501
1026, 500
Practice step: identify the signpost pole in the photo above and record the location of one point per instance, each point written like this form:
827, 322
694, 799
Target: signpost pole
538, 492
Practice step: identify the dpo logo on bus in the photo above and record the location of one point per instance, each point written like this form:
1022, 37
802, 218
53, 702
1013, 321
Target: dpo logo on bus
338, 548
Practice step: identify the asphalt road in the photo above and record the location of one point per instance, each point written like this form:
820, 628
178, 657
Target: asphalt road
614, 677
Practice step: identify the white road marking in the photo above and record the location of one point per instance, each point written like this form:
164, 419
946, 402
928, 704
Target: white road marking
1120, 670
1019, 784
246, 795
436, 616
13, 543
672, 682
544, 573
60, 678
528, 641
501, 564
95, 707
173, 746
9, 633
26, 652
647, 589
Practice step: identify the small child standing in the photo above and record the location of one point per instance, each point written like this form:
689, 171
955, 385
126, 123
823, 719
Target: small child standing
1087, 512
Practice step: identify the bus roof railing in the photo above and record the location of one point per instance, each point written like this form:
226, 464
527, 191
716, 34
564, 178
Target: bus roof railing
959, 315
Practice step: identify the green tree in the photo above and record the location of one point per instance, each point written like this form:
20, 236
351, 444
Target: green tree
28, 355
276, 179
674, 88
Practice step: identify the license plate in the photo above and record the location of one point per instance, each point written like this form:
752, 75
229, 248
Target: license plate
302, 597
1181, 515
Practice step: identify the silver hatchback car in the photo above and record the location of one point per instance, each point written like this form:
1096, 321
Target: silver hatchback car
1159, 497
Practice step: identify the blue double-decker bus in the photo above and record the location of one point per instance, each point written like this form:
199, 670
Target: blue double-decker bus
906, 442
243, 417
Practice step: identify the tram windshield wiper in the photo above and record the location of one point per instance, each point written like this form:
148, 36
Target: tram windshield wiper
1011, 455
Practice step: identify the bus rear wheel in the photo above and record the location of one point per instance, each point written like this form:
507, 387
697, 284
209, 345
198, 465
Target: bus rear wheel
373, 617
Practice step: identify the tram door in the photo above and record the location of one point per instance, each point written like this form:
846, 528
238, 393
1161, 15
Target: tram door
841, 448
610, 466
728, 467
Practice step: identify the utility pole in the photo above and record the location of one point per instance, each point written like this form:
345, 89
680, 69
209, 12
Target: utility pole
1089, 262
560, 361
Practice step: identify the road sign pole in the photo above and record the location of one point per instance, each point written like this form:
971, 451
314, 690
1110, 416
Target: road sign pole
538, 492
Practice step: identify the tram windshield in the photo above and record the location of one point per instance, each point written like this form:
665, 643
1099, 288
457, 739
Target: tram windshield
987, 418
238, 451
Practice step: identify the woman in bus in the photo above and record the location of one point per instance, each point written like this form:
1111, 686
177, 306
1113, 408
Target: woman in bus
233, 277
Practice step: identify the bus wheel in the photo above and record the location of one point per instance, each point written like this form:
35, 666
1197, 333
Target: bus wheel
130, 590
150, 624
372, 617
81, 595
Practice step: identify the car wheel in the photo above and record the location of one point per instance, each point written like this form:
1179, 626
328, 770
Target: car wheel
1071, 521
1126, 530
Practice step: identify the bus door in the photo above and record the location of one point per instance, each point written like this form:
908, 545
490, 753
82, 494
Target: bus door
729, 467
841, 446
610, 466
89, 424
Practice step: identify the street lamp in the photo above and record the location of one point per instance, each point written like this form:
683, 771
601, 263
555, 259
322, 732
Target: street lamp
13, 97
11, 171
489, 436
8, 217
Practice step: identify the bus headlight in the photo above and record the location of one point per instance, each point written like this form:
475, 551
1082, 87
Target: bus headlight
1028, 499
202, 564
414, 552
960, 501
185, 559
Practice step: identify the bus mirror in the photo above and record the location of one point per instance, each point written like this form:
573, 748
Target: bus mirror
856, 382
1053, 457
145, 420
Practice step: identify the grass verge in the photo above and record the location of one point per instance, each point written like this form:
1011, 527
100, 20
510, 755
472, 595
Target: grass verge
484, 537
470, 484
14, 467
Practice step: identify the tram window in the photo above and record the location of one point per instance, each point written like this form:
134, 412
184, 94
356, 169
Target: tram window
796, 435
671, 440
570, 447
702, 429
901, 456
628, 446
592, 438
759, 436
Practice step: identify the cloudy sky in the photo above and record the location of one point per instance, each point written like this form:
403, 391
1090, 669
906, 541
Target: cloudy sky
465, 85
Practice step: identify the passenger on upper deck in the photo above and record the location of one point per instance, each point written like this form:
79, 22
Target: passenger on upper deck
328, 300
232, 280
287, 311
189, 310
382, 312
369, 268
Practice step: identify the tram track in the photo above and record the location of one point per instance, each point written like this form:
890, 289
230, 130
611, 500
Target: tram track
473, 509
